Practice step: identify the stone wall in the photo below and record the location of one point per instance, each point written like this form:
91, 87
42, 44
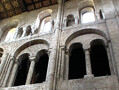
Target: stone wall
106, 29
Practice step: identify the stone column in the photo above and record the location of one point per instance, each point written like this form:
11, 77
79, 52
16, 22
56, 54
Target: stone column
13, 75
88, 62
12, 59
66, 65
31, 70
65, 22
62, 63
24, 33
16, 33
3, 62
52, 66
76, 20
110, 60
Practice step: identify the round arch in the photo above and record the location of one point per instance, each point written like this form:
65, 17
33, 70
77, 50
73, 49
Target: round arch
41, 52
5, 29
98, 41
32, 42
41, 15
83, 32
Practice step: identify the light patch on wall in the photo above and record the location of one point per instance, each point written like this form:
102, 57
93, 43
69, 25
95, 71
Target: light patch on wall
10, 35
88, 17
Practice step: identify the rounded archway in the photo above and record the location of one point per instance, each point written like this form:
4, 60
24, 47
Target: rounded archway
83, 32
77, 66
99, 58
22, 70
30, 43
40, 69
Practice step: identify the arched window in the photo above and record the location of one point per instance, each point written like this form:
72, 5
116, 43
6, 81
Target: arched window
46, 25
101, 13
43, 24
99, 59
70, 20
77, 66
1, 53
40, 71
10, 35
22, 70
28, 31
20, 32
87, 15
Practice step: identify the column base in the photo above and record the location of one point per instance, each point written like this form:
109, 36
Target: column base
89, 76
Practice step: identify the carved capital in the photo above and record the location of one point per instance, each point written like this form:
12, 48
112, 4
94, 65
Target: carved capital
87, 50
12, 58
32, 58
17, 62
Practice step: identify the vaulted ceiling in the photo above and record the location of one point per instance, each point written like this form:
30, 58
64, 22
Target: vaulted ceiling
10, 8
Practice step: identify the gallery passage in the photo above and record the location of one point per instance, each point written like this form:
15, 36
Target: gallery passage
77, 64
22, 70
40, 70
99, 59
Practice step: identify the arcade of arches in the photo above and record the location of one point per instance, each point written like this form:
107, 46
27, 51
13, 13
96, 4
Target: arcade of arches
92, 61
71, 45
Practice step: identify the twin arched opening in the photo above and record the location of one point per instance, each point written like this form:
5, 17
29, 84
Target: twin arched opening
78, 60
30, 67
39, 69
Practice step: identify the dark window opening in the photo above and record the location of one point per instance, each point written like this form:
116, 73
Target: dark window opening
40, 69
99, 61
22, 71
101, 15
77, 65
20, 33
28, 31
70, 20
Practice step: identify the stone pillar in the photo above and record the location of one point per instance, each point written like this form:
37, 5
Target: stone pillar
16, 33
13, 75
62, 63
76, 20
24, 33
88, 62
12, 59
65, 22
110, 60
3, 62
31, 70
52, 66
66, 65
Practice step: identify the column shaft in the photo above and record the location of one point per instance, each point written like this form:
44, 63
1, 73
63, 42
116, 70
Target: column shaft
88, 62
67, 67
8, 73
62, 64
3, 63
30, 73
76, 20
13, 76
24, 33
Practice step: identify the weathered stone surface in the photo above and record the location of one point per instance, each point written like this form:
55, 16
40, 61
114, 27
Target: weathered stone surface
58, 41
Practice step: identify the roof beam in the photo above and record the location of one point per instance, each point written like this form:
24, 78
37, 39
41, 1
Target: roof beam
19, 5
50, 2
33, 4
4, 8
12, 6
25, 5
